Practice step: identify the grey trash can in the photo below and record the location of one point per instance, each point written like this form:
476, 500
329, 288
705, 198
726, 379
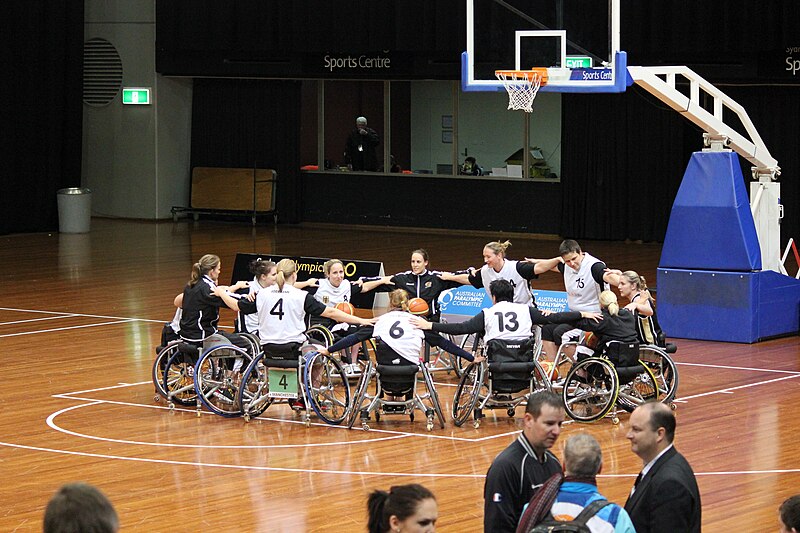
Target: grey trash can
74, 210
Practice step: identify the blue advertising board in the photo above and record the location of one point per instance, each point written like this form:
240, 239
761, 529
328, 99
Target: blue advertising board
555, 301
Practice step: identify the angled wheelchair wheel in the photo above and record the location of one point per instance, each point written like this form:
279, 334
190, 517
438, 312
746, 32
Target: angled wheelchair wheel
254, 390
320, 335
467, 392
178, 380
159, 364
540, 379
217, 378
641, 389
253, 341
327, 388
360, 394
434, 397
590, 389
664, 370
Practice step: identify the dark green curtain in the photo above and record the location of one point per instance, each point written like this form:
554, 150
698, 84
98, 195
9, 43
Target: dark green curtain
41, 57
250, 123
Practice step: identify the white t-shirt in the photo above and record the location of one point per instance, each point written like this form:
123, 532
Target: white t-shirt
330, 295
522, 293
583, 291
395, 329
507, 321
281, 314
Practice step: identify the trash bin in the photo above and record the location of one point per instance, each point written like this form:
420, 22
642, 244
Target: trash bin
74, 210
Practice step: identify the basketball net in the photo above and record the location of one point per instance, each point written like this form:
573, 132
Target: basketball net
522, 87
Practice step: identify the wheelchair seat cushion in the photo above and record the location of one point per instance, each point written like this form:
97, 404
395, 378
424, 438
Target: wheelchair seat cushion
281, 363
397, 379
289, 350
189, 348
507, 351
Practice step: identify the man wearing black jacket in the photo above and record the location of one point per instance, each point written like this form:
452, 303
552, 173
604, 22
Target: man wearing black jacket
665, 497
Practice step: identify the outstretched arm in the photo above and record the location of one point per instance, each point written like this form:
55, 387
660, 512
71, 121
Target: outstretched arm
540, 266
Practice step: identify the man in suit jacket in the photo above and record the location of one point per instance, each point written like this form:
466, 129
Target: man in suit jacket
665, 497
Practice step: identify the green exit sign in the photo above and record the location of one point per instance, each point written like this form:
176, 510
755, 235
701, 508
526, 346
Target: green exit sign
579, 62
136, 95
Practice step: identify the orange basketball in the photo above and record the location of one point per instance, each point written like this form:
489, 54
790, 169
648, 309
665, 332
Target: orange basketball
590, 340
346, 307
418, 306
546, 366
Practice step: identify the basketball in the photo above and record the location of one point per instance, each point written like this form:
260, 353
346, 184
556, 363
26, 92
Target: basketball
418, 306
346, 307
546, 366
590, 340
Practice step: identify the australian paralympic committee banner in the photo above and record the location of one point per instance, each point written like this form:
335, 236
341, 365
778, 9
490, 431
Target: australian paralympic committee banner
464, 302
555, 301
311, 267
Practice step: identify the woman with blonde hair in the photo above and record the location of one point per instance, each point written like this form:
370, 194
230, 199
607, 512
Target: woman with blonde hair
397, 332
496, 266
282, 308
618, 324
634, 287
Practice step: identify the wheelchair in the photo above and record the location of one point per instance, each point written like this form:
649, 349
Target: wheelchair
660, 363
296, 374
399, 382
596, 385
509, 375
209, 378
163, 355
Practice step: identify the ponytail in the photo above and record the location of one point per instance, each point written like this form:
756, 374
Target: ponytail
285, 267
498, 248
398, 299
206, 264
608, 300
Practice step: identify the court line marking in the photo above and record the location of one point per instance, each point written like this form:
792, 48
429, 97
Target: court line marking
81, 314
37, 319
53, 425
346, 472
740, 368
124, 321
241, 467
729, 390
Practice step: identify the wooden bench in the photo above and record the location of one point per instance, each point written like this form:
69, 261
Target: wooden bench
231, 191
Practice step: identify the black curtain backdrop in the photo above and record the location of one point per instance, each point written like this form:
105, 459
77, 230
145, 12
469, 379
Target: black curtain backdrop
628, 153
250, 123
41, 56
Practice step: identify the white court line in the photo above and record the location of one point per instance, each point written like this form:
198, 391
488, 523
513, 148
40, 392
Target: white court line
37, 319
349, 472
241, 467
740, 368
52, 424
729, 390
82, 315
124, 321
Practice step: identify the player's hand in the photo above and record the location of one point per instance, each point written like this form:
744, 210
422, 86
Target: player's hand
545, 312
632, 307
597, 317
420, 323
479, 359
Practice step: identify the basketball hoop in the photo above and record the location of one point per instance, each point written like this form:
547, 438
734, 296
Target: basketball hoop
522, 86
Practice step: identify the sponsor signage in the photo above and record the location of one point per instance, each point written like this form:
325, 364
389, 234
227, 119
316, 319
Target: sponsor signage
311, 267
463, 302
555, 301
579, 62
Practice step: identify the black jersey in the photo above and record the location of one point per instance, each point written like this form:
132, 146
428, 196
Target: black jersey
428, 286
200, 310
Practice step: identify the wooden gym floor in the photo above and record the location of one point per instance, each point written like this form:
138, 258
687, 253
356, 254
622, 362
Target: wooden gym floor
80, 315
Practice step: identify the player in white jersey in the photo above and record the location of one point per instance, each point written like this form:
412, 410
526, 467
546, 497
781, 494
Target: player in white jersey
282, 309
585, 277
505, 320
496, 266
397, 333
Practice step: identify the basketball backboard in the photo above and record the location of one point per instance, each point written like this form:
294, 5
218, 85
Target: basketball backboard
577, 40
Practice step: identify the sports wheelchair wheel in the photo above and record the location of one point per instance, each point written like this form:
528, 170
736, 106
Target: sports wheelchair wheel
664, 370
217, 378
327, 388
254, 396
641, 389
178, 382
360, 394
320, 335
159, 364
467, 392
590, 389
434, 398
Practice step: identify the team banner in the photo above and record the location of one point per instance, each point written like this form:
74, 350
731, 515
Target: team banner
555, 301
311, 267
